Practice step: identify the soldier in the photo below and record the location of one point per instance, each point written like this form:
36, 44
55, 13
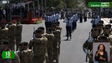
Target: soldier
87, 46
68, 27
56, 43
25, 54
4, 31
50, 37
18, 32
4, 47
59, 28
39, 45
12, 29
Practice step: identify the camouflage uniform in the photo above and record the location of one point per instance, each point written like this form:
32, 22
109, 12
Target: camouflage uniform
26, 56
56, 45
39, 48
12, 28
4, 33
18, 34
16, 58
50, 38
59, 28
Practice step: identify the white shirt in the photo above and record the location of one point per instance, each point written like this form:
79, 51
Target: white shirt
68, 23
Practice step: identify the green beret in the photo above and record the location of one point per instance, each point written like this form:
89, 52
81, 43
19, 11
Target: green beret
38, 31
4, 42
94, 29
107, 27
23, 44
41, 28
99, 24
103, 37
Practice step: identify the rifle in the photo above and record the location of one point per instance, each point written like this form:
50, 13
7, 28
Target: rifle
88, 45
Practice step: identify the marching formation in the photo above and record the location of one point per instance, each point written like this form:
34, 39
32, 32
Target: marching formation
99, 33
44, 47
10, 34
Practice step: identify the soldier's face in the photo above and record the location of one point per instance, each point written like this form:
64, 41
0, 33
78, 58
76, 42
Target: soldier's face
42, 31
95, 33
106, 31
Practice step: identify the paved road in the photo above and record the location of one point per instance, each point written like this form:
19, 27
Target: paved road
71, 51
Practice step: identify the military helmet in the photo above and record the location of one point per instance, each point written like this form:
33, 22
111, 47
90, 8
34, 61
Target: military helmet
5, 42
23, 44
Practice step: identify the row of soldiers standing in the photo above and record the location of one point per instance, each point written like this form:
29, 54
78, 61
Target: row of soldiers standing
51, 18
99, 33
11, 32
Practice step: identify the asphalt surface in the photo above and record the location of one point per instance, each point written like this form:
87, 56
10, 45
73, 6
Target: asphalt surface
71, 50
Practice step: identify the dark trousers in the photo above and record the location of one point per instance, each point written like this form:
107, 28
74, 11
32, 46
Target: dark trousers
80, 20
93, 25
85, 19
68, 30
46, 25
74, 25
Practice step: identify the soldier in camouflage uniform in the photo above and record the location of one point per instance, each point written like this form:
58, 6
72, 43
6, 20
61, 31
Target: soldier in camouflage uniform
44, 35
18, 32
50, 37
12, 29
26, 55
42, 29
4, 47
87, 46
39, 44
3, 31
56, 43
58, 27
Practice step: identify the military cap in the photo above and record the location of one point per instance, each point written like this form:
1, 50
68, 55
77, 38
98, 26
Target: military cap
103, 37
23, 44
107, 27
101, 21
38, 31
94, 29
41, 28
3, 22
99, 24
4, 42
49, 29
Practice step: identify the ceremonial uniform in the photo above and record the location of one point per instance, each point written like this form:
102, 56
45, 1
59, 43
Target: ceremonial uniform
39, 45
68, 28
12, 29
18, 34
50, 38
26, 55
56, 45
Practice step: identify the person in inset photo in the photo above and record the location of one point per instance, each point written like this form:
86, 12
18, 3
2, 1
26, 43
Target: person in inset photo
101, 54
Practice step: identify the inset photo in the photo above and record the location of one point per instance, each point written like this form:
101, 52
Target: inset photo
101, 51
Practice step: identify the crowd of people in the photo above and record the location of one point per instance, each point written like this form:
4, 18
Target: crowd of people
98, 33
